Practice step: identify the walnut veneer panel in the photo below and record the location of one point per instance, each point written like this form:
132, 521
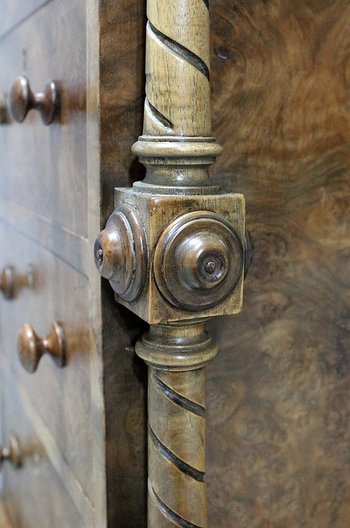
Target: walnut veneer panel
278, 431
44, 168
278, 403
12, 12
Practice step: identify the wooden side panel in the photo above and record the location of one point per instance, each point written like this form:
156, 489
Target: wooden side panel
278, 391
122, 86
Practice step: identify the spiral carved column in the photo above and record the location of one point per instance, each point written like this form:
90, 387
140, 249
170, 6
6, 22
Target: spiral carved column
178, 49
175, 252
176, 354
176, 487
177, 123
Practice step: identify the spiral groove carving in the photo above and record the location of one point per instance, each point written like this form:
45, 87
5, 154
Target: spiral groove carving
177, 69
176, 449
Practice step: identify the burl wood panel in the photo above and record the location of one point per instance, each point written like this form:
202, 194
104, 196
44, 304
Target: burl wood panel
278, 405
278, 432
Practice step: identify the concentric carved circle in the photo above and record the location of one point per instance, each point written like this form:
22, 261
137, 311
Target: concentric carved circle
198, 260
121, 253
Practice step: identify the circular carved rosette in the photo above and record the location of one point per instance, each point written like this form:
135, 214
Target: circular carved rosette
198, 260
121, 253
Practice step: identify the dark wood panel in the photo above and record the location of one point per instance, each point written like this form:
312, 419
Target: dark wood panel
278, 391
44, 168
16, 11
122, 85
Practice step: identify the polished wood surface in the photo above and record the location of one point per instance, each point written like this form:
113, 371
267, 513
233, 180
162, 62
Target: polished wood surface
38, 176
48, 173
34, 493
278, 392
277, 399
125, 385
277, 434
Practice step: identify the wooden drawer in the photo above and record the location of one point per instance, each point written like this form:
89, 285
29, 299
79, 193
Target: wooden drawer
43, 492
44, 168
13, 13
62, 397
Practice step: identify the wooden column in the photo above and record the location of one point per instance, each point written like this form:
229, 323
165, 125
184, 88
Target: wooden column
177, 148
174, 253
176, 145
176, 354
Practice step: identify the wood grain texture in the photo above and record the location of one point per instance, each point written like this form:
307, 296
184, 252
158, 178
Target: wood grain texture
122, 43
176, 449
50, 212
277, 397
36, 174
62, 397
12, 15
33, 494
277, 401
177, 69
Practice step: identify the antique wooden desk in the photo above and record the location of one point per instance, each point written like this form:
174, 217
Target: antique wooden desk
277, 393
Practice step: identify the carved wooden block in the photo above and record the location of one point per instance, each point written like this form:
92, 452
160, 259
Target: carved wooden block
176, 257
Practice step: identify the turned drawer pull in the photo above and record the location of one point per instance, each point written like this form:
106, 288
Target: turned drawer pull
23, 99
31, 348
3, 109
12, 453
10, 281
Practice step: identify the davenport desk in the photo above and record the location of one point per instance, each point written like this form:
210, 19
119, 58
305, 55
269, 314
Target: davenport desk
270, 81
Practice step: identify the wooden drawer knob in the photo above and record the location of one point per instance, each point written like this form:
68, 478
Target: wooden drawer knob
22, 99
7, 282
11, 281
12, 453
3, 109
31, 348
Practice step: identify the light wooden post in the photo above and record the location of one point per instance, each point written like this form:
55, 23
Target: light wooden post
177, 149
175, 252
176, 423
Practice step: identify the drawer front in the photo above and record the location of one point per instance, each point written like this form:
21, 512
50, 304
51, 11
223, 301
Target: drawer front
62, 397
15, 11
42, 492
44, 168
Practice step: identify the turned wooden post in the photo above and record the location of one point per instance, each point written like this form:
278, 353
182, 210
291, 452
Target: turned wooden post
176, 354
175, 253
177, 112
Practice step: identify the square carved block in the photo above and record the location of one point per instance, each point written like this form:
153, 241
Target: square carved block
192, 253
